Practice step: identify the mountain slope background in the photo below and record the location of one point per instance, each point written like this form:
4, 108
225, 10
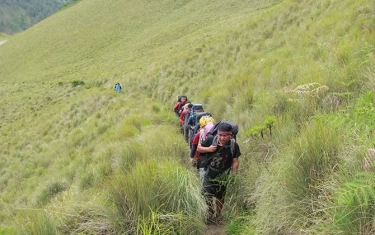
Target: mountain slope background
16, 16
297, 76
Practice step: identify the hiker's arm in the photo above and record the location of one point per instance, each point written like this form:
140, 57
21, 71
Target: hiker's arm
175, 107
210, 149
192, 151
235, 165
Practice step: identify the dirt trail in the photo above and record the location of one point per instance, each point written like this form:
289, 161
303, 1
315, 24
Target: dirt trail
215, 230
3, 41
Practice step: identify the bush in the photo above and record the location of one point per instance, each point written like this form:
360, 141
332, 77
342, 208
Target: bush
50, 191
77, 83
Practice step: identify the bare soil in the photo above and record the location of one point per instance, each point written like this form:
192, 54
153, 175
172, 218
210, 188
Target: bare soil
215, 230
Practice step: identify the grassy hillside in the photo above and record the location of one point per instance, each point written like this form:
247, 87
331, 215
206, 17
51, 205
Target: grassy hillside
78, 157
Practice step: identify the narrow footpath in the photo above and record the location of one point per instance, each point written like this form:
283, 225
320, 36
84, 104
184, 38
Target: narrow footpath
215, 230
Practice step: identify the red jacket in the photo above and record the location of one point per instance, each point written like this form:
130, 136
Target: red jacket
178, 107
182, 116
195, 142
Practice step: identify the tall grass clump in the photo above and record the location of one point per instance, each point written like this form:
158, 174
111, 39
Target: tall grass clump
83, 213
160, 141
36, 221
351, 210
130, 126
50, 191
288, 195
159, 192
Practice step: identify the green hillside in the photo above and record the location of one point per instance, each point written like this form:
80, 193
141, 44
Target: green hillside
297, 77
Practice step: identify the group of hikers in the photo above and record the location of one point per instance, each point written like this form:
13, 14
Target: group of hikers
213, 150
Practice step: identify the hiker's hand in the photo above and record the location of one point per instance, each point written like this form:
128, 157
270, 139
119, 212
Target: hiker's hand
212, 148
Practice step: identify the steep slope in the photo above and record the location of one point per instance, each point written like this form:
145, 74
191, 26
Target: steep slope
97, 161
117, 36
53, 133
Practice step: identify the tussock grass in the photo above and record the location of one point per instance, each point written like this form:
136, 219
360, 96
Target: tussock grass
160, 196
294, 189
36, 222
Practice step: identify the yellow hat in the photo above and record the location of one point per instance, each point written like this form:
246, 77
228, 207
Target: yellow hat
205, 120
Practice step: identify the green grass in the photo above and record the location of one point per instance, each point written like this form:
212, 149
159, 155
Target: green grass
91, 160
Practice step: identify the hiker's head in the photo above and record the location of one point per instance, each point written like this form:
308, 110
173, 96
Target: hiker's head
183, 100
189, 106
224, 133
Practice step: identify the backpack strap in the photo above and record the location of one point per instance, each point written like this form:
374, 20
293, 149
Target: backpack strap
201, 133
232, 146
215, 142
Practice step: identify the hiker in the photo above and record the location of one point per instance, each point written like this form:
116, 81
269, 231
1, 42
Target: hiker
118, 87
184, 116
206, 123
181, 101
218, 160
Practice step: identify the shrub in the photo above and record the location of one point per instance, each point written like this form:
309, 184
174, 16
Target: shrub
77, 83
352, 209
50, 191
36, 222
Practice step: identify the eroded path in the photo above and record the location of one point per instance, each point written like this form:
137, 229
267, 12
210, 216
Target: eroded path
3, 41
215, 230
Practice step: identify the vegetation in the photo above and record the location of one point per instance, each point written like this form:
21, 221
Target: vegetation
18, 15
297, 77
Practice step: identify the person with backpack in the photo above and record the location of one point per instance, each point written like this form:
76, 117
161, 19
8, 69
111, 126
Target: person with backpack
118, 87
184, 116
193, 123
218, 159
181, 101
206, 123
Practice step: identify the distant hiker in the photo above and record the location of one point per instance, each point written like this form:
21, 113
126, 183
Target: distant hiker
118, 87
181, 101
218, 159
